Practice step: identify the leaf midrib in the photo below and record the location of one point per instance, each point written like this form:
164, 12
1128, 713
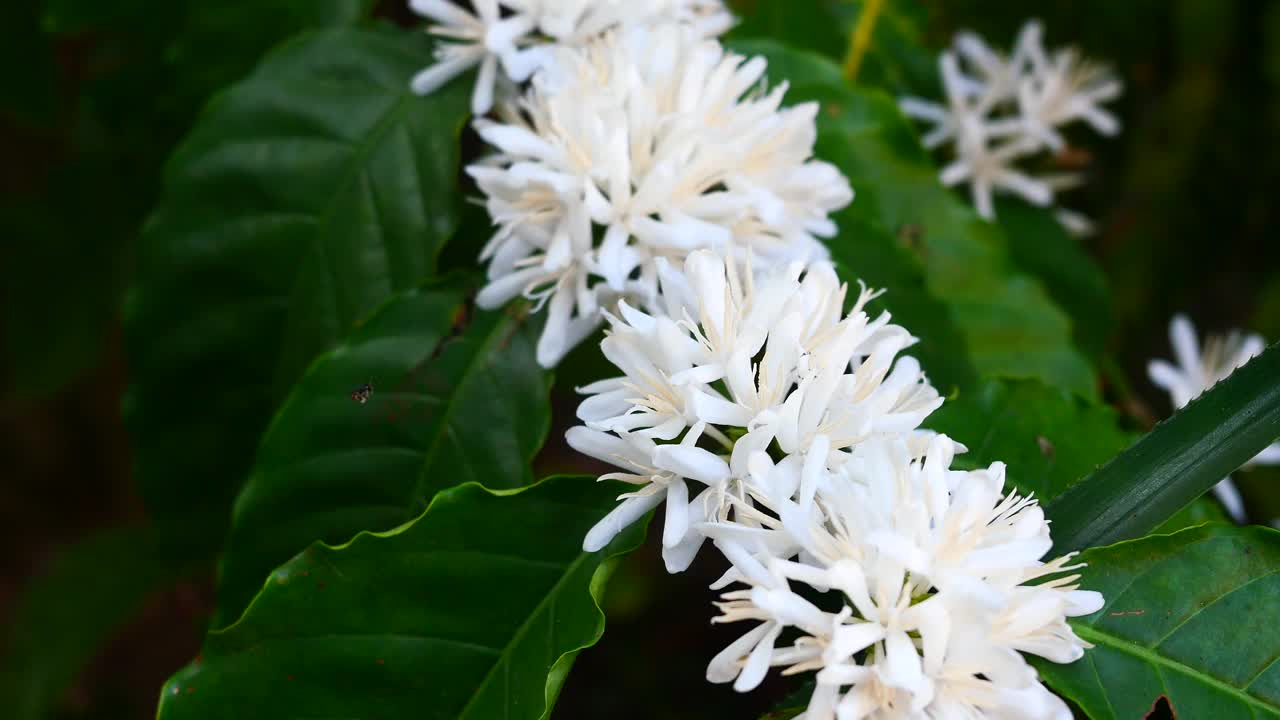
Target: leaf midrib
1152, 657
356, 166
446, 417
522, 630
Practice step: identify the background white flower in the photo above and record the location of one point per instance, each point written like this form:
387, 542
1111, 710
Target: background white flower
615, 162
1001, 110
1199, 369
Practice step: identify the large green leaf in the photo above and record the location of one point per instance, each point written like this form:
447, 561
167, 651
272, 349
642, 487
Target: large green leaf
1202, 510
882, 260
1188, 616
306, 195
1048, 437
896, 58
457, 397
820, 26
474, 610
1009, 324
1042, 247
1174, 464
67, 613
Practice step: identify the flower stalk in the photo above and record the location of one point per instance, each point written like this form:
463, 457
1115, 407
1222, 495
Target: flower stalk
860, 39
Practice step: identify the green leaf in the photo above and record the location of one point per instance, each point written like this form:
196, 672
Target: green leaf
106, 120
820, 26
1009, 324
884, 261
457, 397
1201, 510
1042, 247
1176, 462
1188, 616
474, 610
306, 195
896, 59
68, 612
1048, 437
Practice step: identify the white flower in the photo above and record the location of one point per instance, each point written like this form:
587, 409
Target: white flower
1198, 370
639, 148
999, 78
1001, 110
754, 363
516, 35
1063, 89
480, 39
985, 165
988, 168
931, 566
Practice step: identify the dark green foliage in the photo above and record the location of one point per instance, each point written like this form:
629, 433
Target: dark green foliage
456, 397
305, 197
474, 610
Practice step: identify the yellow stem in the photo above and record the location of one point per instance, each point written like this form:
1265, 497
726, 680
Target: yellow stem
861, 38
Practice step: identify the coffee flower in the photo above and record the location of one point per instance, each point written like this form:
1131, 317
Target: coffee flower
636, 150
1198, 369
753, 364
516, 36
1001, 110
929, 568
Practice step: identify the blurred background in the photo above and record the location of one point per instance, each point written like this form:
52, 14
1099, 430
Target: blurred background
97, 94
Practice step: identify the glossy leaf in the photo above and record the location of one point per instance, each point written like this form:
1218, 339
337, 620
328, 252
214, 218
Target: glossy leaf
1202, 510
474, 610
1010, 325
897, 57
306, 195
1189, 617
456, 397
1043, 248
1049, 438
1176, 462
819, 26
882, 260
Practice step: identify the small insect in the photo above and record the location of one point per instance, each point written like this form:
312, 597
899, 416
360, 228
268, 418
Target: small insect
362, 393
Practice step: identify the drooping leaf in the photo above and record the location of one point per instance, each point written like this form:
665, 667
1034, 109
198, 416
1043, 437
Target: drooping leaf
1010, 325
474, 610
306, 195
1049, 438
1176, 462
66, 614
456, 397
1189, 617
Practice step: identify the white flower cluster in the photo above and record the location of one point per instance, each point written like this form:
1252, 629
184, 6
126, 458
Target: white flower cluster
786, 431
1198, 370
1001, 110
639, 140
648, 178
